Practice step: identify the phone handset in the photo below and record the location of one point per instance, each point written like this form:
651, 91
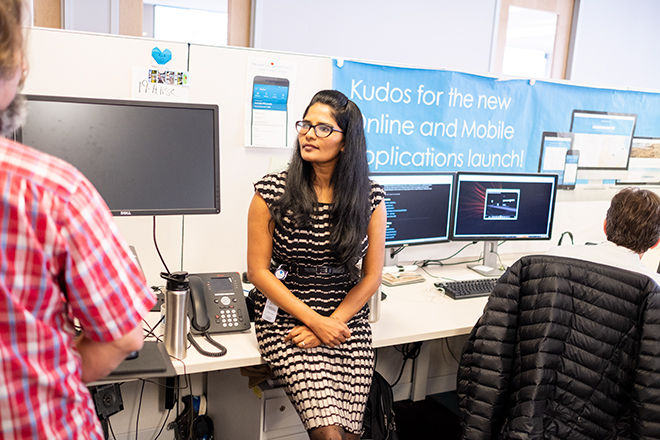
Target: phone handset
199, 318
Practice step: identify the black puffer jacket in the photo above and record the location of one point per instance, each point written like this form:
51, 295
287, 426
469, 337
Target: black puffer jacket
565, 349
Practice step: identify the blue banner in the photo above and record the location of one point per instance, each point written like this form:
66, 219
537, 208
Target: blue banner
438, 120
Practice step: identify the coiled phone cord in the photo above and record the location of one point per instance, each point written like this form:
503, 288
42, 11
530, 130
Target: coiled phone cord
221, 347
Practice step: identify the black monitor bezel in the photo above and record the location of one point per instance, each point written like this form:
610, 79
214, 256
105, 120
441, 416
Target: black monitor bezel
605, 113
450, 207
452, 237
18, 135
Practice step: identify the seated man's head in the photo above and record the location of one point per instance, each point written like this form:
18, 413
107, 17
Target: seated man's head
633, 219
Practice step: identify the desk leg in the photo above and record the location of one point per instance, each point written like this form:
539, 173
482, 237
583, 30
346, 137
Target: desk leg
421, 373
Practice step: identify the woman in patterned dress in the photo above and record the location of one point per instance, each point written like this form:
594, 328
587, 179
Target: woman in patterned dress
316, 237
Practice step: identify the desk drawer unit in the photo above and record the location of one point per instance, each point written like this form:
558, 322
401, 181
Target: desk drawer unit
280, 419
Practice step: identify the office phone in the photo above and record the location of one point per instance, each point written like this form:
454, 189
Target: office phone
217, 303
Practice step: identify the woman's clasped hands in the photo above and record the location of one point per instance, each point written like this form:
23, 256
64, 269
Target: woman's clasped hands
325, 330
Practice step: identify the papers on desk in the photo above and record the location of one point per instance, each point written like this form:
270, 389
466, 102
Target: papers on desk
401, 278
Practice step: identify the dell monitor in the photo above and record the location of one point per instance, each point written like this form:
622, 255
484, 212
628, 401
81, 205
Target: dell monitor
144, 158
494, 206
418, 208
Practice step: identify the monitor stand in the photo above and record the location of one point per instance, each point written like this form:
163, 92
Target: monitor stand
490, 266
392, 255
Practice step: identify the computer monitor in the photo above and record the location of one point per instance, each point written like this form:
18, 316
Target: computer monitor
496, 206
418, 207
604, 140
644, 165
144, 158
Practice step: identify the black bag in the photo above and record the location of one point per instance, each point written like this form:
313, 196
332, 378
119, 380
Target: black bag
379, 415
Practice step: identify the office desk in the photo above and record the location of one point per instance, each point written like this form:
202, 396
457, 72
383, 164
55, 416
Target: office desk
242, 351
419, 312
415, 312
410, 313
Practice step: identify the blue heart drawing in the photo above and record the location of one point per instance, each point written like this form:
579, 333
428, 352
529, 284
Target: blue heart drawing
161, 57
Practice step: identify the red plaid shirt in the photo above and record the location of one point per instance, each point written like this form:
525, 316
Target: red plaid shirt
61, 258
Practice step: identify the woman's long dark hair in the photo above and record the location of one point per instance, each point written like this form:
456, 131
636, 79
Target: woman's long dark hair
351, 211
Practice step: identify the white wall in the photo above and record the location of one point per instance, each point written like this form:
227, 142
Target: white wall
616, 44
446, 34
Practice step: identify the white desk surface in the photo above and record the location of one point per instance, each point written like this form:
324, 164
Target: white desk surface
414, 312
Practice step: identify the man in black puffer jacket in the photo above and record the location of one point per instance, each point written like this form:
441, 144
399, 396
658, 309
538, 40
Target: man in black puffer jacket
568, 346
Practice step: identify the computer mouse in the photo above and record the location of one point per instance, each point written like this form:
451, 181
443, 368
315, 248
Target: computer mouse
132, 355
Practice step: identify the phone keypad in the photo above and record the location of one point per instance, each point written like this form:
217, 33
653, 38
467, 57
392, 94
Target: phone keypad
228, 316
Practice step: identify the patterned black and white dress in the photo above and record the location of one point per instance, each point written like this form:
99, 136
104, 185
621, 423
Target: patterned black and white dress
328, 386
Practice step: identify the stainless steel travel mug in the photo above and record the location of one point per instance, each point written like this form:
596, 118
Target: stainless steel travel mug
374, 306
176, 300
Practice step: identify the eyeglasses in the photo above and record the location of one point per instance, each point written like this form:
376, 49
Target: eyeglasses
321, 130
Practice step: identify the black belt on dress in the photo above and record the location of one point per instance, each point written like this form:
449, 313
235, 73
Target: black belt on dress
313, 270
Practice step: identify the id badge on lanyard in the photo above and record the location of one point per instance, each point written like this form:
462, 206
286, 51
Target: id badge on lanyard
270, 309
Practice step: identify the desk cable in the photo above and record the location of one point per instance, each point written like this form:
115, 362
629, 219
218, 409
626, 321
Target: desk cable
167, 416
221, 348
409, 351
175, 424
151, 331
561, 237
395, 251
439, 261
175, 388
137, 415
451, 352
107, 421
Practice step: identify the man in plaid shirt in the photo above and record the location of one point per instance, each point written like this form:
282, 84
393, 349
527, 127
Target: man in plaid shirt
61, 258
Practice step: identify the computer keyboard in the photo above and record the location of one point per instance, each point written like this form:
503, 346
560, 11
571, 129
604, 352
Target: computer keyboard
468, 288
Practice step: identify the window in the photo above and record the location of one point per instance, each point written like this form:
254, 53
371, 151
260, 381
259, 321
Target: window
532, 38
190, 25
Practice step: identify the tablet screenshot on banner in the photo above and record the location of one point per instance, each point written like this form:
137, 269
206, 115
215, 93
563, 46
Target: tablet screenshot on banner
554, 146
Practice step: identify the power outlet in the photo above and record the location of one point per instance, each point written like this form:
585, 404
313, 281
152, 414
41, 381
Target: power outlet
107, 400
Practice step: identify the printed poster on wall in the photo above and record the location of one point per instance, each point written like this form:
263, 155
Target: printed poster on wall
439, 120
267, 103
